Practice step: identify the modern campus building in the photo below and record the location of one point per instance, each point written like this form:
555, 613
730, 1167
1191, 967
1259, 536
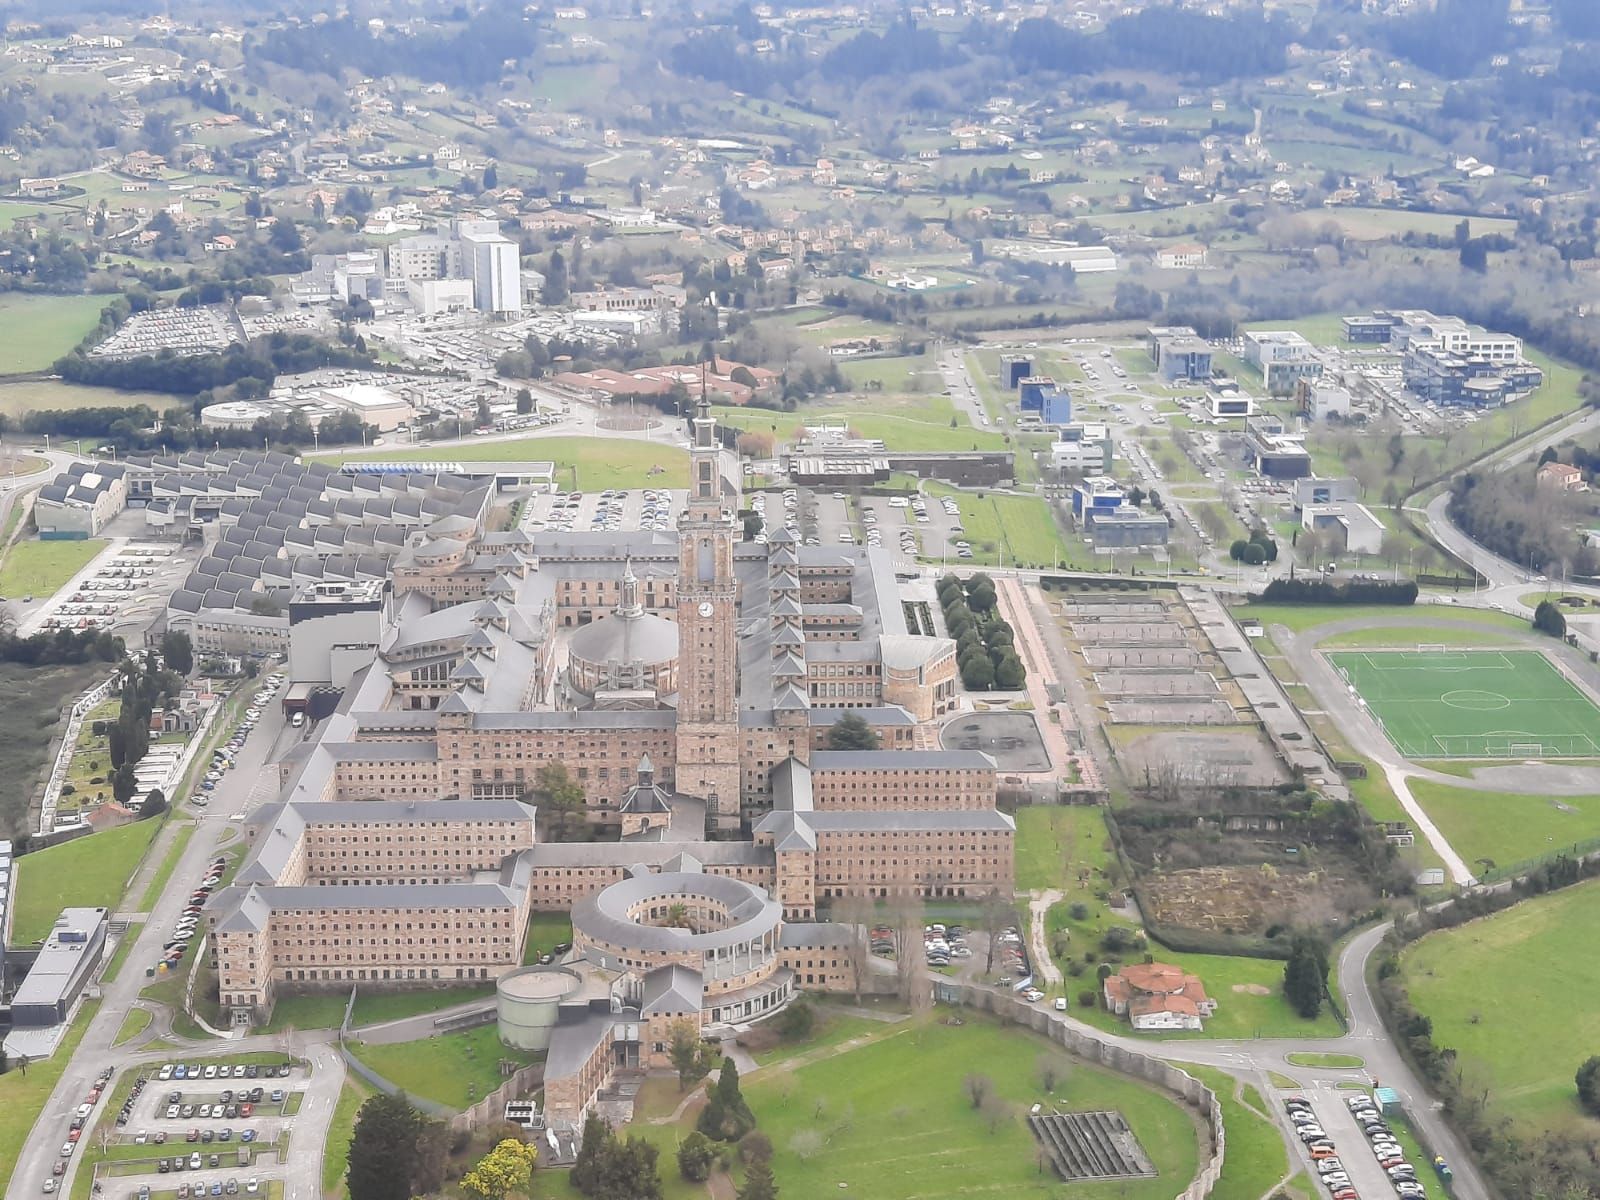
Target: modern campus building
80, 501
1179, 353
687, 682
1283, 357
1448, 361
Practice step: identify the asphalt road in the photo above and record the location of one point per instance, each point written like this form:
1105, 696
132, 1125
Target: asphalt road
250, 782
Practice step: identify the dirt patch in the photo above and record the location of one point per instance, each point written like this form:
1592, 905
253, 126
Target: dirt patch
1238, 900
1252, 989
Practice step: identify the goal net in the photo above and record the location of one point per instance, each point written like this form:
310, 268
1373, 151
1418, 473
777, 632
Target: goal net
1430, 647
1490, 745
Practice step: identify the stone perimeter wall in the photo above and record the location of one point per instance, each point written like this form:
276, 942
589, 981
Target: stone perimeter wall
1126, 1062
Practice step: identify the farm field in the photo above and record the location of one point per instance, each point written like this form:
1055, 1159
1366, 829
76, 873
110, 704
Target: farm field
1472, 703
1505, 828
91, 871
1474, 983
21, 396
40, 329
585, 464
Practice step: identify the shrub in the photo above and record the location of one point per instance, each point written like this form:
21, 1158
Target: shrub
1086, 998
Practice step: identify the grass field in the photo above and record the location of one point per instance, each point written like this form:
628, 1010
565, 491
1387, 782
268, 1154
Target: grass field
1473, 703
896, 1123
1408, 637
336, 1151
453, 1069
40, 329
546, 930
135, 1023
1299, 618
1256, 1157
1507, 994
1055, 843
1507, 827
23, 1096
19, 396
163, 876
585, 464
90, 872
35, 568
326, 1010
1008, 530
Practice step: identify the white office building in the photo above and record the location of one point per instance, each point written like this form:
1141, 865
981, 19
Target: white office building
494, 264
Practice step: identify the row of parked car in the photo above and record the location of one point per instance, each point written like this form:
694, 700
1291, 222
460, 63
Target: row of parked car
223, 1071
189, 920
1386, 1147
223, 756
1324, 1154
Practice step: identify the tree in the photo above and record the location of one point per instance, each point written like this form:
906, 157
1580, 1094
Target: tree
382, 1158
854, 912
491, 178
285, 236
154, 804
561, 804
1009, 674
588, 1169
1052, 1071
851, 732
977, 1088
1305, 977
977, 673
504, 1169
980, 593
726, 1117
796, 1021
997, 915
1548, 618
524, 402
696, 1153
1588, 1080
689, 1054
177, 652
759, 1183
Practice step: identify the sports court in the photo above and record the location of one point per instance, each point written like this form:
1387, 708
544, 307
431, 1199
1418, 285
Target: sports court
1438, 702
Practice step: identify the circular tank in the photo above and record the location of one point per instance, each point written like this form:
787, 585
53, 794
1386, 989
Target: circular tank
526, 1003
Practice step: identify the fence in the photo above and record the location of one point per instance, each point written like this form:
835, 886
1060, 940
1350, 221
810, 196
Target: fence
1126, 1062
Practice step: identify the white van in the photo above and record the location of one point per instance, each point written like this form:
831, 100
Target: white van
297, 720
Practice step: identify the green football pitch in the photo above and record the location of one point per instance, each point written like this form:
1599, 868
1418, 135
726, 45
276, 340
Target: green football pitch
1436, 702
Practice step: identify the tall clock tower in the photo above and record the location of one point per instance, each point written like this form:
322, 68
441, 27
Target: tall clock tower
708, 650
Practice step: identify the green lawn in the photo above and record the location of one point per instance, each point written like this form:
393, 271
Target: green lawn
325, 1010
23, 1096
135, 1023
1512, 995
37, 330
832, 1029
546, 931
453, 1069
336, 1151
1472, 703
35, 568
1506, 827
89, 872
1055, 844
1257, 1157
1331, 1061
595, 463
169, 864
896, 1124
1009, 530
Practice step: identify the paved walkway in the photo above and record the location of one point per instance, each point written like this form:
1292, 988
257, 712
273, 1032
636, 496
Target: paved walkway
1044, 962
1012, 597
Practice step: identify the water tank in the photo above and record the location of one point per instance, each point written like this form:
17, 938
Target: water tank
526, 1003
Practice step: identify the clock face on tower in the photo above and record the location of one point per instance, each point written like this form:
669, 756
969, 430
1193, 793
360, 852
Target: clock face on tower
705, 608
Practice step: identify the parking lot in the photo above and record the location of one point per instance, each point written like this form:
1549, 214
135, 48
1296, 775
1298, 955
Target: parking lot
1350, 1149
123, 588
220, 1125
613, 510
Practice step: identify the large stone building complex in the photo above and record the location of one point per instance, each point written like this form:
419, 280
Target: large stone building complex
688, 684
